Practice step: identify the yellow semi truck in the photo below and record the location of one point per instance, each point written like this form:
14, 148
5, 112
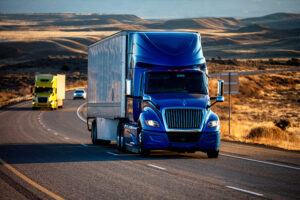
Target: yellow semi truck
49, 91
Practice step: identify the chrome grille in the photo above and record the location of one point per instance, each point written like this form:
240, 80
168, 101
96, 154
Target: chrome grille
183, 118
42, 99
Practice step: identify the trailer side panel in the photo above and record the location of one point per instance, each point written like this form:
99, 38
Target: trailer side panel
106, 72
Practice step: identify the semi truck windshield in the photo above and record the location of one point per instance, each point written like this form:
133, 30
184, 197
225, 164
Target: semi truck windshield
40, 89
175, 82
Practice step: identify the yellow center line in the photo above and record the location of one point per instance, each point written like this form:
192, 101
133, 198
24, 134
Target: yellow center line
31, 182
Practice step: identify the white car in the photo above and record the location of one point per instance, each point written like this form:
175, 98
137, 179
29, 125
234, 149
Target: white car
79, 94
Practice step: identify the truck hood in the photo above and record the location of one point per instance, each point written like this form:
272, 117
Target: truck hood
180, 100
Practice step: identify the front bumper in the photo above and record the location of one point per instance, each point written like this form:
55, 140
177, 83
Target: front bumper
41, 105
204, 141
78, 97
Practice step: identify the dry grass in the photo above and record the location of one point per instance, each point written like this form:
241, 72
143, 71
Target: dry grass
263, 99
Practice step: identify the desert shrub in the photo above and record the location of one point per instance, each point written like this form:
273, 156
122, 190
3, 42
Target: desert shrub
232, 62
76, 74
282, 123
261, 67
293, 61
267, 132
65, 68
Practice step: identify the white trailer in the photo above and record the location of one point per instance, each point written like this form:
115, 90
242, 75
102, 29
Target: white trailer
106, 85
61, 89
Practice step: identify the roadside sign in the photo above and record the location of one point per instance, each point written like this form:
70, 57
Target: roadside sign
231, 82
231, 86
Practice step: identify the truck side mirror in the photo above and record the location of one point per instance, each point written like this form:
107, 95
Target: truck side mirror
220, 96
128, 87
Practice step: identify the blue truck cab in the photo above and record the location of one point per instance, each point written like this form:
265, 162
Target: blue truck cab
149, 91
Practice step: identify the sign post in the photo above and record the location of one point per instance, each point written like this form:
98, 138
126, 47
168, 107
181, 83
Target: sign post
231, 86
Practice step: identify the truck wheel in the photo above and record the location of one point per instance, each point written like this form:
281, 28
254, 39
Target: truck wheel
94, 132
120, 138
143, 152
212, 154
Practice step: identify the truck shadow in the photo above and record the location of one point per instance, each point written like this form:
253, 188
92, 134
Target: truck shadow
57, 153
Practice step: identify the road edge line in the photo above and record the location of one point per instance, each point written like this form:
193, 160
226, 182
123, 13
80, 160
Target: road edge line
31, 182
260, 161
78, 115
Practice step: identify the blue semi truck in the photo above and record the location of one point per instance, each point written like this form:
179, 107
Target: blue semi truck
149, 91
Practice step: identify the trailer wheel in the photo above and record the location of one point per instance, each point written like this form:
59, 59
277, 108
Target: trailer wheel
213, 154
120, 138
94, 132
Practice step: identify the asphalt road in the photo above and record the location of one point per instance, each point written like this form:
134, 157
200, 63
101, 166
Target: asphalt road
48, 155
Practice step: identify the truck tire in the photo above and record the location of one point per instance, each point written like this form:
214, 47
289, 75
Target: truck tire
143, 152
120, 138
213, 154
94, 135
94, 132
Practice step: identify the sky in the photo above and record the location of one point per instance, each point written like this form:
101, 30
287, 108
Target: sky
154, 9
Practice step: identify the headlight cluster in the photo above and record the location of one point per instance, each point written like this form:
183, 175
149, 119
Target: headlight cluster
212, 124
152, 123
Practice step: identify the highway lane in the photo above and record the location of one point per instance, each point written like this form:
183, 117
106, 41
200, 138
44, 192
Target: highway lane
53, 149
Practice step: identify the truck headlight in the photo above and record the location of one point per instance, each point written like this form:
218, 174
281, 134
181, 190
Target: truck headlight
212, 124
152, 123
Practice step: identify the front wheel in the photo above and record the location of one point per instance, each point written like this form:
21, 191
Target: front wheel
213, 154
143, 152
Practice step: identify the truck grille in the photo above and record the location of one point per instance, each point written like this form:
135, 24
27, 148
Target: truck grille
42, 99
183, 118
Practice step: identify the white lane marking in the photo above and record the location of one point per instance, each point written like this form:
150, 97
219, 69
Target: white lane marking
246, 191
85, 145
78, 115
49, 129
111, 153
260, 161
157, 167
66, 138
